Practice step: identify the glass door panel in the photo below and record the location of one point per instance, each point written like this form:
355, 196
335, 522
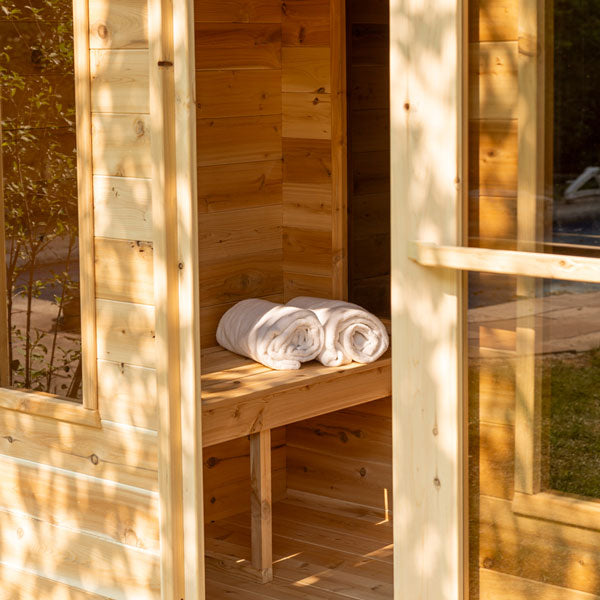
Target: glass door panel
534, 344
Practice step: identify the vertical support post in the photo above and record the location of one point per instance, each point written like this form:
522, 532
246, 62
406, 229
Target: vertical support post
261, 504
427, 187
530, 231
4, 333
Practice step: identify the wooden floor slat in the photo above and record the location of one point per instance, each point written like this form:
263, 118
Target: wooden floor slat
321, 552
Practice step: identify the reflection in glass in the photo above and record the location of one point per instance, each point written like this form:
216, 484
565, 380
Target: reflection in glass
40, 197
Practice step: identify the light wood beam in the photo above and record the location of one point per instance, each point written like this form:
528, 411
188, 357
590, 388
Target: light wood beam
260, 504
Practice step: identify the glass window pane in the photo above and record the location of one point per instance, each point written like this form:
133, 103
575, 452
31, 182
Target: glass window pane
40, 196
534, 345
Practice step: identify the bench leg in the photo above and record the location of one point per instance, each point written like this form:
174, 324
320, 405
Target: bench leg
262, 533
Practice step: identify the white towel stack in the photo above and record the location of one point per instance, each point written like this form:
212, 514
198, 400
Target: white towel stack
351, 332
278, 336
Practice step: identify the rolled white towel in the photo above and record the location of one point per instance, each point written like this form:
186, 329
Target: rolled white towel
278, 336
351, 332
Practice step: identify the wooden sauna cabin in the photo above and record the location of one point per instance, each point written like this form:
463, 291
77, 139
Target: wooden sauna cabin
247, 155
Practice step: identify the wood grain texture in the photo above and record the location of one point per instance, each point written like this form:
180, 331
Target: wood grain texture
118, 25
247, 93
126, 332
238, 46
121, 145
127, 394
237, 11
119, 81
124, 514
242, 185
307, 115
124, 271
238, 140
261, 504
108, 568
123, 208
113, 453
85, 201
306, 23
240, 232
306, 70
27, 585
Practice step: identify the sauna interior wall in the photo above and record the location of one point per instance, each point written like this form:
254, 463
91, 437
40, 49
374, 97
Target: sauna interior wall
368, 155
79, 498
271, 129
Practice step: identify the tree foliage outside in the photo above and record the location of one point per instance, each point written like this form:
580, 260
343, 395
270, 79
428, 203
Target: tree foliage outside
40, 195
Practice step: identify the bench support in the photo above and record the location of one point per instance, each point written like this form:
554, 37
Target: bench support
261, 505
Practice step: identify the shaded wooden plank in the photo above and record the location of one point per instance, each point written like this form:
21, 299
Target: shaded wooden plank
114, 453
370, 130
237, 46
307, 206
374, 11
494, 86
239, 232
124, 270
493, 164
125, 332
127, 394
370, 173
307, 115
118, 25
119, 81
370, 44
242, 185
237, 11
305, 23
307, 251
238, 93
238, 140
27, 585
122, 513
494, 20
122, 208
105, 567
306, 161
306, 70
121, 145
261, 504
306, 284
234, 279
369, 87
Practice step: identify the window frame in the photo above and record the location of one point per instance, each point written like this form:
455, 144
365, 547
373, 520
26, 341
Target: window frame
49, 405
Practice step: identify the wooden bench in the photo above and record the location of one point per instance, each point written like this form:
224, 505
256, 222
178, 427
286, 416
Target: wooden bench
244, 398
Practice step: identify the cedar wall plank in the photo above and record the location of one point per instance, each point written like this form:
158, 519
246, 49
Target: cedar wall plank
238, 93
123, 208
124, 270
125, 514
107, 568
120, 81
237, 11
113, 452
118, 24
242, 185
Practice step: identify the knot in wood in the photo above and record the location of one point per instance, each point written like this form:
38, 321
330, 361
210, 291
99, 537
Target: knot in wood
437, 483
363, 472
102, 31
94, 458
139, 128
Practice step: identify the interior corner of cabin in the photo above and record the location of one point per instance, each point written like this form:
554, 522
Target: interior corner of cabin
293, 172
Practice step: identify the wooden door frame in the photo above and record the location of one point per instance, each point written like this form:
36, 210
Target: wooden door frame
428, 119
177, 290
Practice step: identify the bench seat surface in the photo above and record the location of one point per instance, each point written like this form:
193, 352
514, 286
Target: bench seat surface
240, 396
